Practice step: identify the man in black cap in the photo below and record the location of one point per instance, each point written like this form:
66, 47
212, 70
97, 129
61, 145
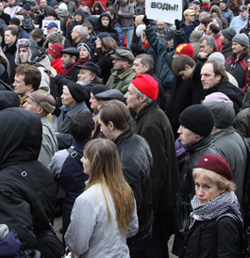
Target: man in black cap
15, 22
225, 11
226, 40
87, 77
123, 75
169, 40
73, 100
196, 124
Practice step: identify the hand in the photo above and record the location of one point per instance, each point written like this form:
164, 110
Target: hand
53, 72
119, 12
146, 20
177, 24
202, 55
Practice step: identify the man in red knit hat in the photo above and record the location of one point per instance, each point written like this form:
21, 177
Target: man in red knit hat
152, 124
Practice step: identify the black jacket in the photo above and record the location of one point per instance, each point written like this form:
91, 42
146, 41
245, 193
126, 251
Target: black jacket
23, 179
137, 169
200, 239
10, 54
184, 93
234, 93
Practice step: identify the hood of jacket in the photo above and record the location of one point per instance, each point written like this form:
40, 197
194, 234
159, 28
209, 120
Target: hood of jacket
21, 136
80, 12
100, 22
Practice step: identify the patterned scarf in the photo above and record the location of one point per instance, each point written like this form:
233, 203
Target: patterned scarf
215, 207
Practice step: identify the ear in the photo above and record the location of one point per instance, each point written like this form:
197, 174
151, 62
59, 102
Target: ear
92, 77
143, 99
187, 67
147, 66
218, 77
39, 110
111, 126
29, 87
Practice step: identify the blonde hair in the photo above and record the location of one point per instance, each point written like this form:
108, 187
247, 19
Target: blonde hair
105, 169
221, 182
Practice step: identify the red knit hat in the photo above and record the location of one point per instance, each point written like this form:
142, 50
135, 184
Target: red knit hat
55, 50
216, 164
147, 85
185, 49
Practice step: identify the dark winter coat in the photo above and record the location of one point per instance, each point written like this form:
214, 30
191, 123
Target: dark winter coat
227, 50
152, 124
234, 93
164, 61
23, 179
10, 52
200, 240
184, 93
137, 169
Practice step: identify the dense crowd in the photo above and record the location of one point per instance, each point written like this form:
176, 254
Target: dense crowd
132, 130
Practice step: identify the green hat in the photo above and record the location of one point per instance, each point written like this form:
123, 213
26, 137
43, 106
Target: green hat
123, 54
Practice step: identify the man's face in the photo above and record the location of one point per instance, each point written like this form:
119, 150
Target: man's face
190, 18
105, 21
223, 6
83, 53
67, 99
31, 105
187, 137
74, 34
49, 31
243, 14
43, 4
1, 6
205, 48
78, 17
131, 98
24, 55
106, 130
238, 48
9, 38
19, 85
187, 73
84, 77
11, 3
66, 60
223, 39
143, 38
169, 42
118, 64
138, 67
209, 32
208, 77
160, 25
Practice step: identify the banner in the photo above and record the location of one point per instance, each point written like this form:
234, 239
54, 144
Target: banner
166, 10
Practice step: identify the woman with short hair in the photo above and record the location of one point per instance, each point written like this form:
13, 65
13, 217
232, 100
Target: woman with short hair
215, 228
105, 213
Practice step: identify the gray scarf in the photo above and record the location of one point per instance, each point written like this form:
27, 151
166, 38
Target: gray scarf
215, 207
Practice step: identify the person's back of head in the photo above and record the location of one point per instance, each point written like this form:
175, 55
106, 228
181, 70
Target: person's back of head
81, 125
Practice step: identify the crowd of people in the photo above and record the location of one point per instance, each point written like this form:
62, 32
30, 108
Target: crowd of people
130, 129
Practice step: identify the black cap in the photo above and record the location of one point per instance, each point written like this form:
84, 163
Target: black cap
110, 94
169, 35
14, 21
71, 51
92, 67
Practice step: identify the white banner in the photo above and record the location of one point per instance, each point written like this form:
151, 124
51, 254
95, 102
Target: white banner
164, 10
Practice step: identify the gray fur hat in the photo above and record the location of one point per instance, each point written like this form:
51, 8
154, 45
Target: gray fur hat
242, 39
53, 37
32, 48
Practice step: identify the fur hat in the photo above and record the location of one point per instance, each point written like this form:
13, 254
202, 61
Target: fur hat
53, 37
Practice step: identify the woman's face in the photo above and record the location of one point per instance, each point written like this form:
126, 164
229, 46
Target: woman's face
93, 101
83, 53
206, 190
86, 165
98, 43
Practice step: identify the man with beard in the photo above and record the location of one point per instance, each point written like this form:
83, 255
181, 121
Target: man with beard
12, 8
88, 76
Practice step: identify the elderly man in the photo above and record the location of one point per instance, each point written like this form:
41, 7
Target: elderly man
123, 75
73, 100
78, 34
42, 103
215, 79
132, 148
52, 27
152, 124
208, 46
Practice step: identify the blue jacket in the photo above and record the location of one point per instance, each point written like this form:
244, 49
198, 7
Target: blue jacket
23, 34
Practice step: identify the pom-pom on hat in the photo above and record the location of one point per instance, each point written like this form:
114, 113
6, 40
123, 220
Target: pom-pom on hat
216, 164
185, 49
147, 85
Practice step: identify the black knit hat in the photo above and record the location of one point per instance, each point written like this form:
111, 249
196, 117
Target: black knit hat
77, 92
198, 119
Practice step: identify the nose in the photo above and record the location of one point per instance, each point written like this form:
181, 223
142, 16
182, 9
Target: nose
199, 191
179, 130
